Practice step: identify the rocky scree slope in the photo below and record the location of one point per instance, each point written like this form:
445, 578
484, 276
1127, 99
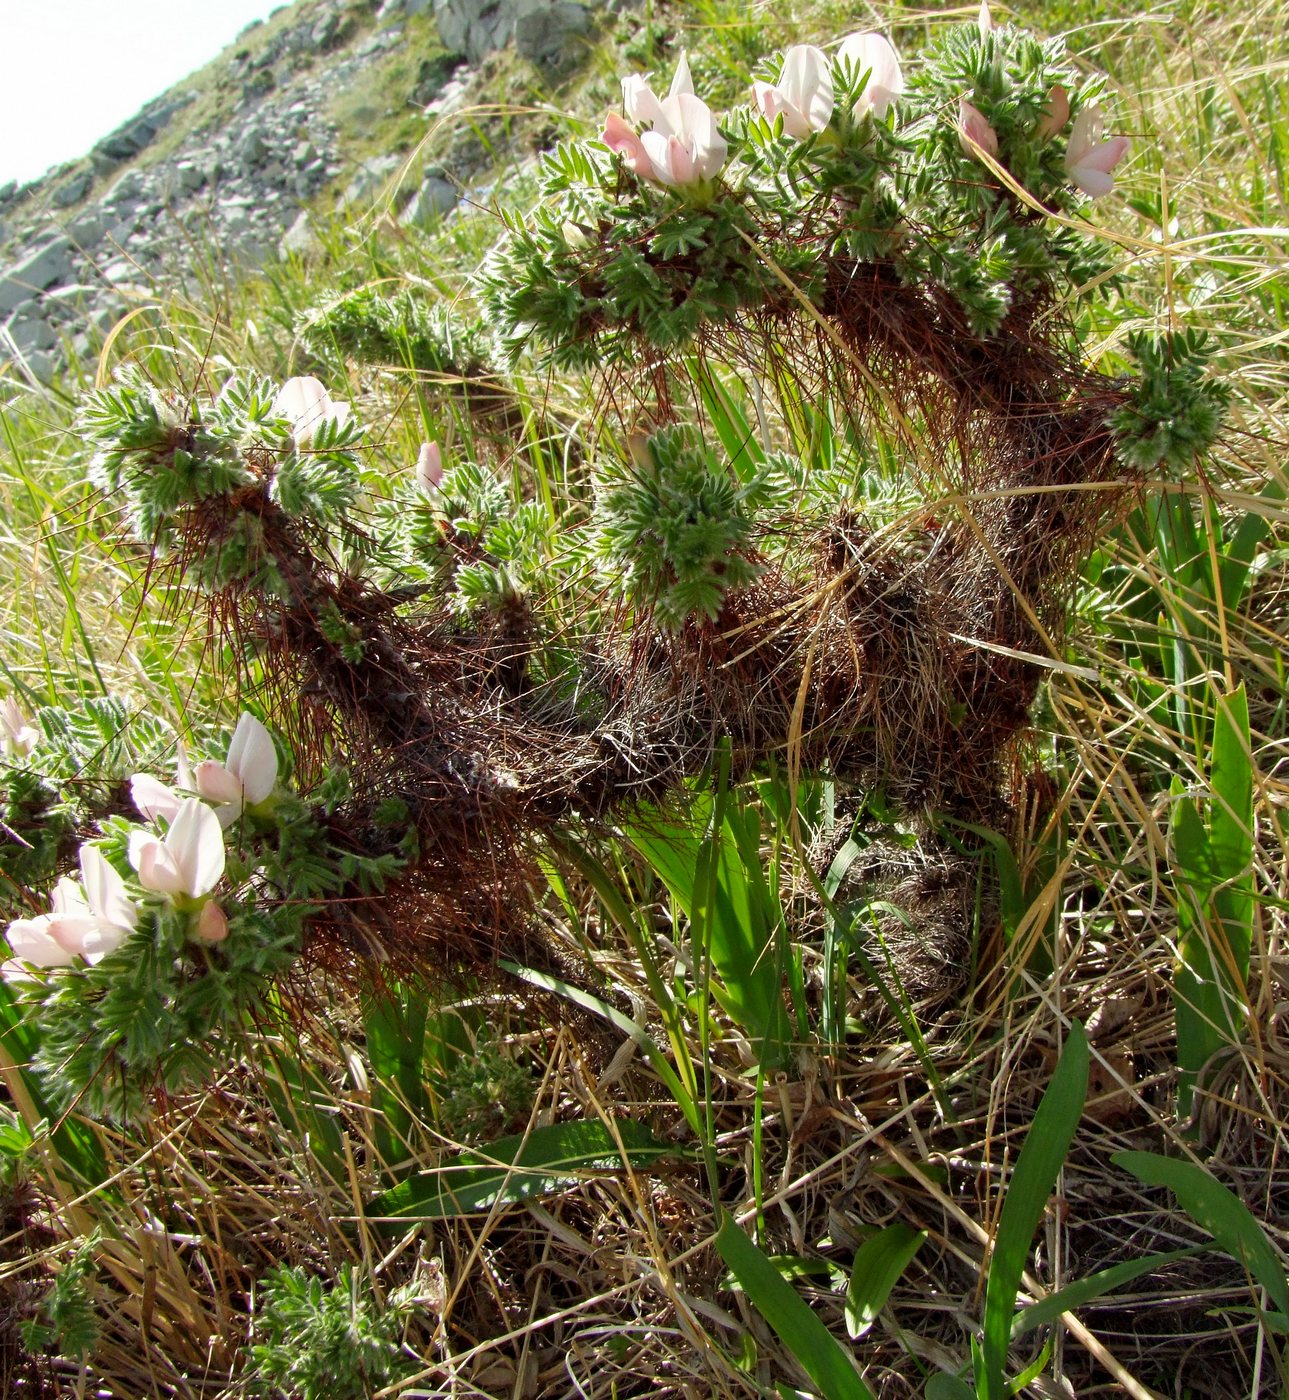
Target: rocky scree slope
230, 164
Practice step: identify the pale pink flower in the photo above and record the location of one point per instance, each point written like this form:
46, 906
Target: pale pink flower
803, 96
306, 405
188, 860
1055, 114
984, 20
623, 140
19, 737
248, 774
429, 468
974, 131
89, 923
872, 54
1088, 159
684, 146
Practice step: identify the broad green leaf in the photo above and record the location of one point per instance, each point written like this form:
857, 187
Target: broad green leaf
943, 1386
1036, 1171
1084, 1290
815, 1349
1217, 1209
878, 1264
516, 1168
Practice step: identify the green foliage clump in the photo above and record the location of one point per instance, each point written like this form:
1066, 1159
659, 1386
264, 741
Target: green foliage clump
610, 260
1175, 410
333, 1342
67, 1322
674, 528
165, 456
485, 1094
980, 242
406, 329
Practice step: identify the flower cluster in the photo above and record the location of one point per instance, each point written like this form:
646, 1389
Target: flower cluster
680, 145
181, 859
676, 141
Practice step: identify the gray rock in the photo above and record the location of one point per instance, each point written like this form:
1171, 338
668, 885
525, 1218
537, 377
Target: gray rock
87, 228
552, 35
435, 198
73, 191
46, 267
369, 178
190, 177
299, 240
42, 365
253, 148
28, 333
304, 154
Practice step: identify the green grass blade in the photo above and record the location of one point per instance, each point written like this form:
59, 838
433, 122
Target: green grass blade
1037, 1169
519, 1167
879, 1262
1217, 1209
815, 1349
1085, 1290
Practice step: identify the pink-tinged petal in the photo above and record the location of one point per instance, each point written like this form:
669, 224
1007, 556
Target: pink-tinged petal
806, 88
974, 131
31, 941
20, 737
106, 892
1055, 114
156, 867
767, 99
658, 149
1091, 181
13, 970
640, 103
872, 54
683, 80
1107, 155
680, 163
1084, 134
195, 843
704, 144
212, 923
216, 784
71, 930
102, 941
429, 461
252, 759
623, 139
153, 798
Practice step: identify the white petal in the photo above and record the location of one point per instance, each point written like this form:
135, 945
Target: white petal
102, 941
806, 83
640, 103
153, 798
252, 759
683, 80
108, 899
195, 842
